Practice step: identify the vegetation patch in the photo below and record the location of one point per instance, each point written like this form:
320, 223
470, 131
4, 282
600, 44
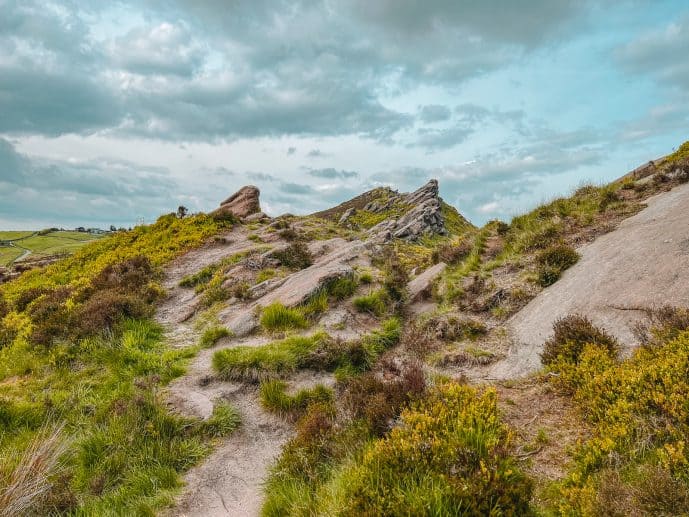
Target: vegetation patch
296, 256
637, 460
571, 335
212, 335
277, 317
553, 261
376, 303
274, 397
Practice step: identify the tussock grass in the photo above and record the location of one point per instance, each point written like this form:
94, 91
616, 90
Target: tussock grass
377, 302
212, 335
553, 261
277, 359
274, 397
25, 489
276, 317
318, 351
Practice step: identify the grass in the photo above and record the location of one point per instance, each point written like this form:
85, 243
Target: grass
126, 451
276, 317
274, 398
9, 254
376, 302
319, 351
553, 261
274, 360
212, 335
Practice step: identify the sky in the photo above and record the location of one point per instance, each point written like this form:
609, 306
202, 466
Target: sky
113, 112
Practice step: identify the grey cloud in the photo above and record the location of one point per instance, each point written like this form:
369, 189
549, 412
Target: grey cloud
162, 49
434, 113
261, 176
331, 173
291, 151
96, 190
317, 153
296, 189
660, 53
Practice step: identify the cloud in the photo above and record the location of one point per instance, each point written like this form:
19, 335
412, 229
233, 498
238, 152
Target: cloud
331, 173
317, 153
434, 113
660, 53
260, 176
296, 189
99, 190
291, 151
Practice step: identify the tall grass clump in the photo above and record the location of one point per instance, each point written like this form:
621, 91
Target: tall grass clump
274, 397
376, 302
274, 360
276, 317
212, 335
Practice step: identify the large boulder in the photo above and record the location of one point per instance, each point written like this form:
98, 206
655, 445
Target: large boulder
242, 203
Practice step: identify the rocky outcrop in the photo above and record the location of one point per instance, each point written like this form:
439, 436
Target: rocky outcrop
243, 203
424, 216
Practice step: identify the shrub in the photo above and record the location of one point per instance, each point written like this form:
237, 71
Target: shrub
571, 334
366, 278
50, 317
27, 296
212, 335
374, 303
4, 307
214, 294
449, 457
296, 256
130, 275
664, 324
553, 261
378, 402
274, 397
453, 252
276, 317
104, 309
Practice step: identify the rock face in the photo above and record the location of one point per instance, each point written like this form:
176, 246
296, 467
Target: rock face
424, 218
242, 203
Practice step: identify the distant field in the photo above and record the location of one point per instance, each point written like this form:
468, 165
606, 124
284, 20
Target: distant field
41, 245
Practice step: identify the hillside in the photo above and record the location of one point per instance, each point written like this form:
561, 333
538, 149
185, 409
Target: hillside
383, 357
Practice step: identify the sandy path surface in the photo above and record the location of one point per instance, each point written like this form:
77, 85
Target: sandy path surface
643, 263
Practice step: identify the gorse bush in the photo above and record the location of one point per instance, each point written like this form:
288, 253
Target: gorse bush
553, 261
570, 335
637, 455
449, 456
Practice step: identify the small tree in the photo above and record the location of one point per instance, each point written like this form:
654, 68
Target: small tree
182, 212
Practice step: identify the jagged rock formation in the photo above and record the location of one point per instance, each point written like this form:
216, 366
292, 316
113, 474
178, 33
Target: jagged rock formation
243, 203
423, 218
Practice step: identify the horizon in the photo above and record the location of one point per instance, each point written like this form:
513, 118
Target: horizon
161, 104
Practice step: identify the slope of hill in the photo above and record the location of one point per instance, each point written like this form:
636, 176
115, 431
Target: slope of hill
318, 365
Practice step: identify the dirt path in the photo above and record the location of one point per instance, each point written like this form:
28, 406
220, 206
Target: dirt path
643, 263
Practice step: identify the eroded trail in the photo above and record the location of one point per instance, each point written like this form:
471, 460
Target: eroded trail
230, 481
641, 264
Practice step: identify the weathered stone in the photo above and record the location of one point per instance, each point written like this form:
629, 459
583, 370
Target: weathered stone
347, 215
420, 287
242, 203
256, 218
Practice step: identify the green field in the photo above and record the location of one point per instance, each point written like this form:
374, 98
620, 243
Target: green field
41, 245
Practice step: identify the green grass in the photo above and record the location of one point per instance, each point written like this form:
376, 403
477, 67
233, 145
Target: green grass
212, 335
9, 255
125, 450
319, 351
375, 303
274, 397
274, 360
277, 317
682, 153
343, 288
14, 235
